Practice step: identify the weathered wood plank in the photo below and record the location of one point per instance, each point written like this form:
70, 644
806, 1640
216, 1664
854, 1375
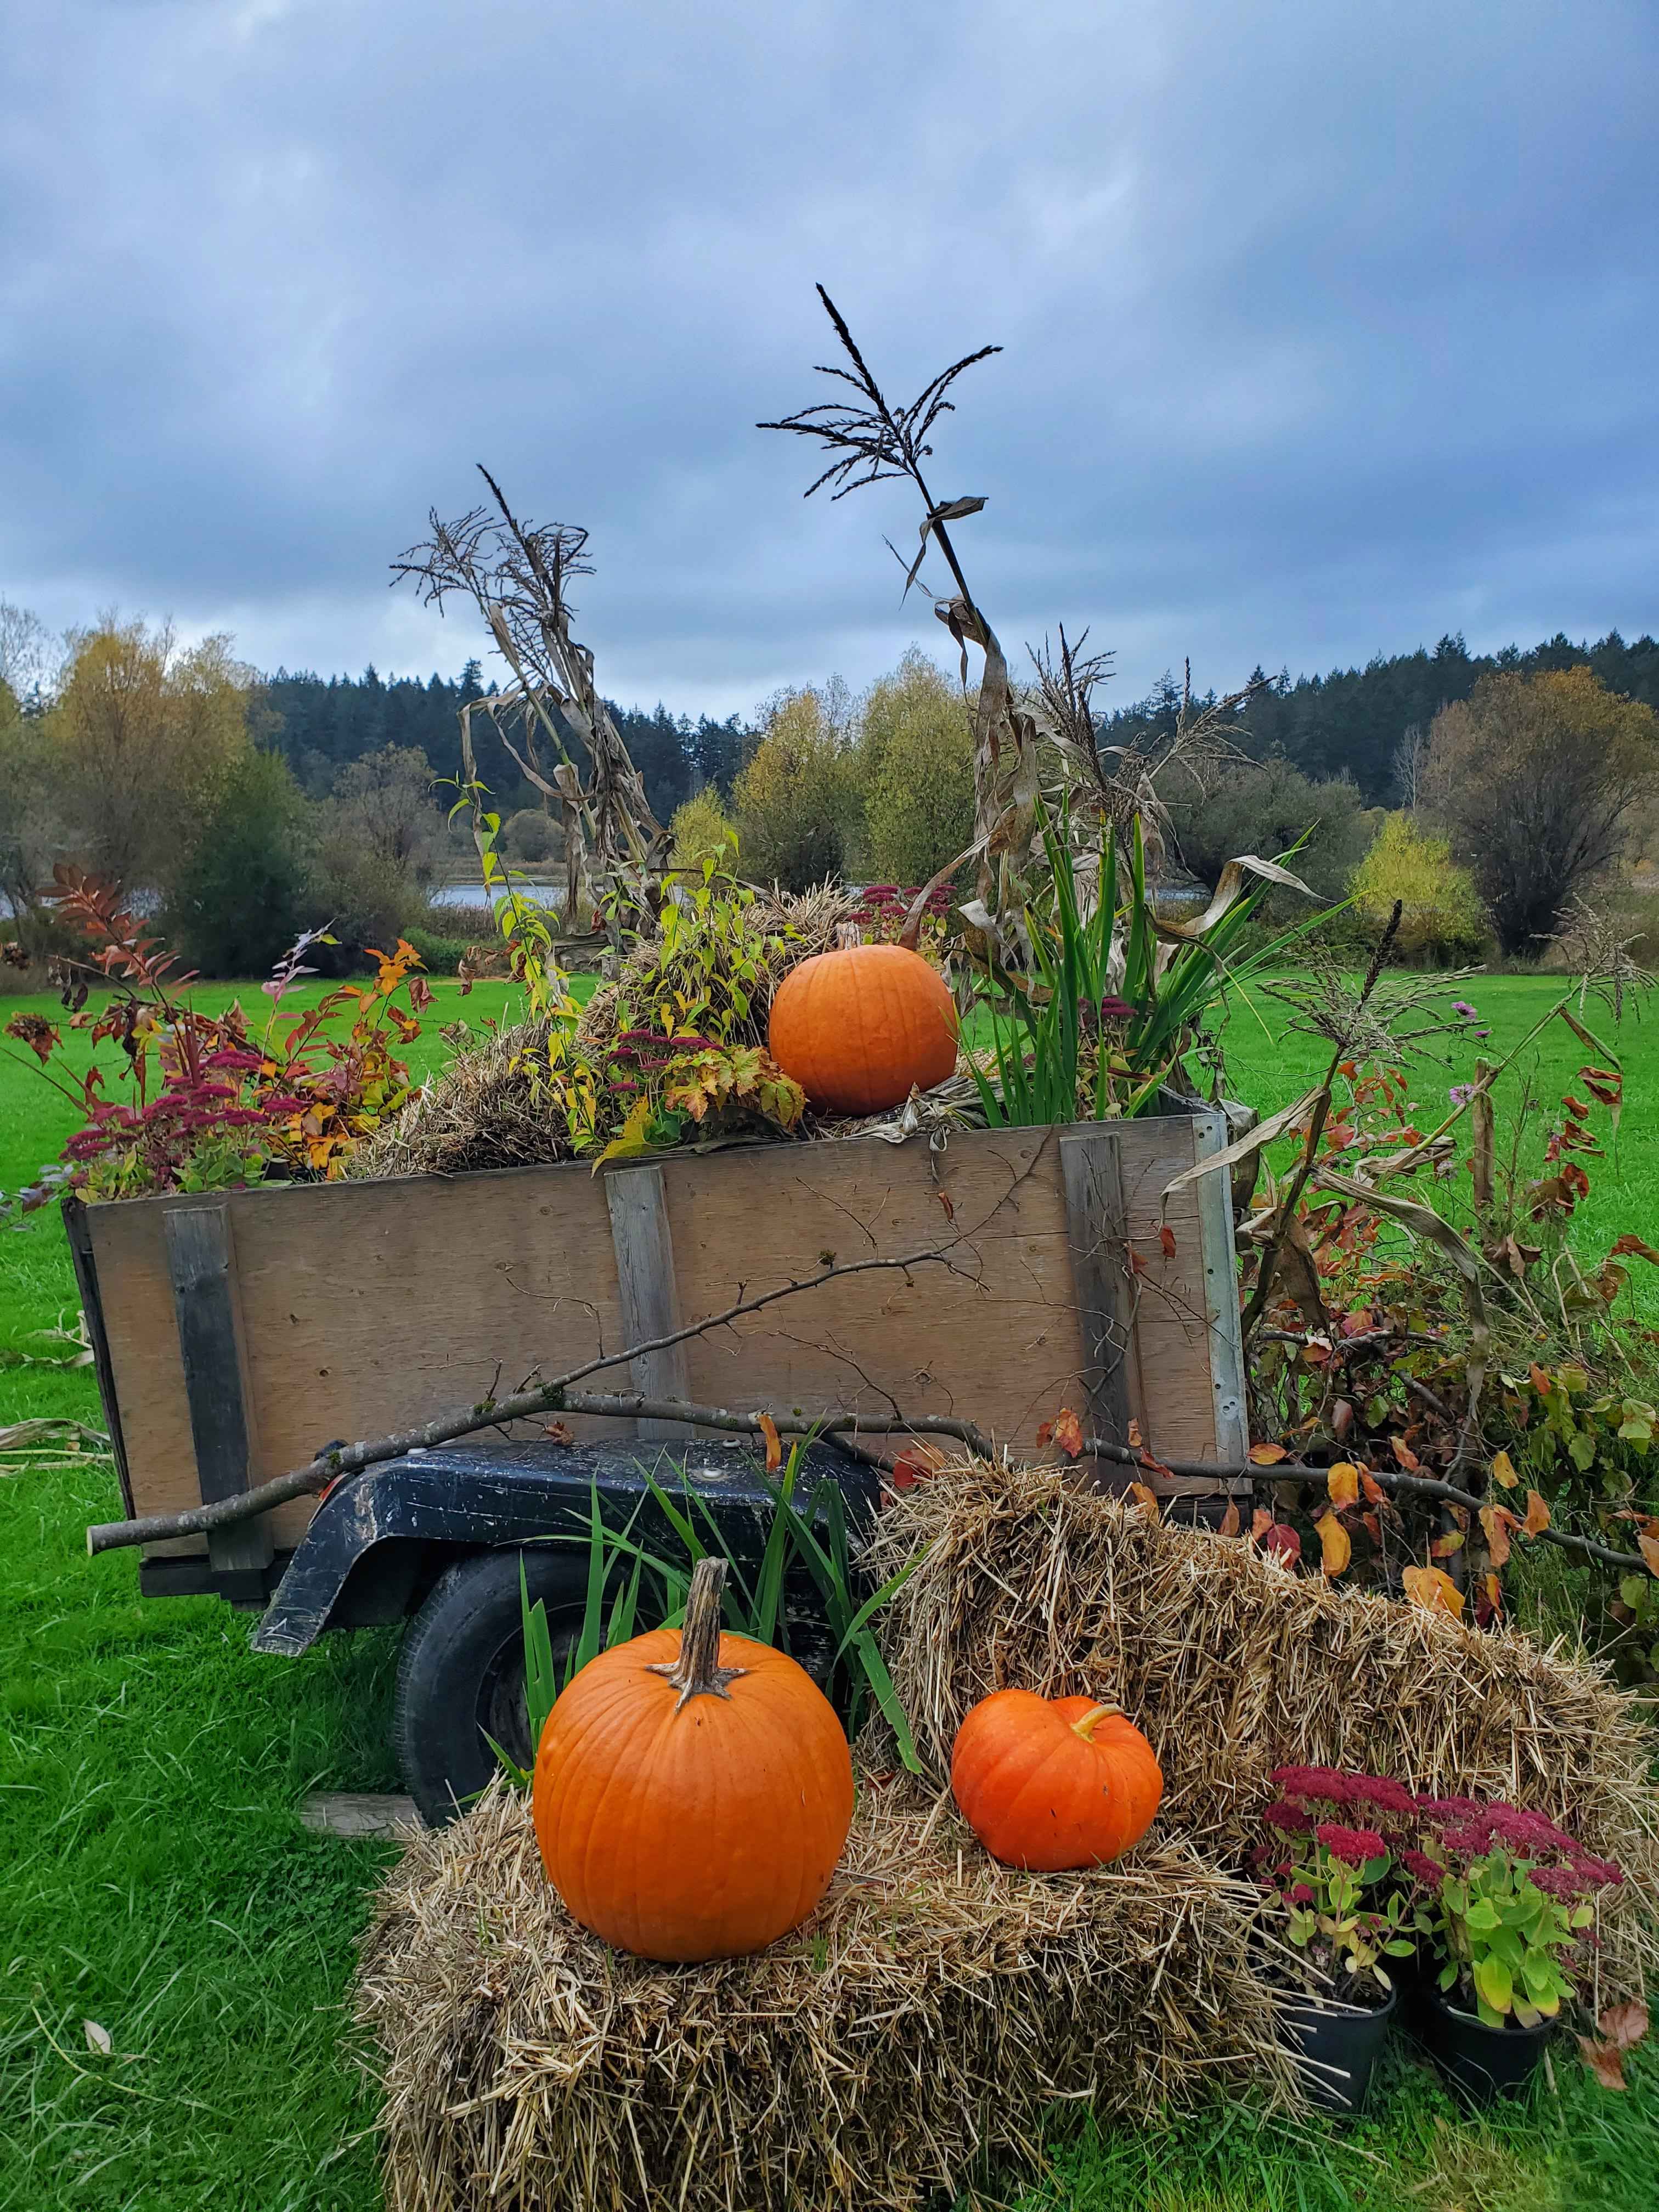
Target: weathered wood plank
648, 1294
1096, 1233
201, 1263
1215, 1215
357, 1813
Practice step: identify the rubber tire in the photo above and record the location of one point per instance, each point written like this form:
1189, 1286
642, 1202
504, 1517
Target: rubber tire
461, 1671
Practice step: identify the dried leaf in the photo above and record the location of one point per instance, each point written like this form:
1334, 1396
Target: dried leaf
559, 1433
1267, 1454
1627, 1244
1497, 1520
1649, 1547
1166, 1238
1135, 1440
1406, 1457
1503, 1470
1624, 2025
769, 1429
1143, 1495
1282, 1541
1374, 1493
1231, 887
944, 1199
1335, 1546
1434, 1591
1066, 1431
1538, 1515
1231, 1522
1342, 1483
1444, 1547
1245, 1147
98, 2039
1260, 1522
1605, 2060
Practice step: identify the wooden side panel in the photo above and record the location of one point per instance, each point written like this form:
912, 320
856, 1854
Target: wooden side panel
366, 1306
1103, 1284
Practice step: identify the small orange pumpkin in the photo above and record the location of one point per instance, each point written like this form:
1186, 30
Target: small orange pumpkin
1050, 1783
856, 1027
693, 1790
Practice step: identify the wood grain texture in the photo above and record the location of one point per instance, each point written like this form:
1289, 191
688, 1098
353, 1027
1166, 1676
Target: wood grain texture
1102, 1284
368, 1306
643, 1248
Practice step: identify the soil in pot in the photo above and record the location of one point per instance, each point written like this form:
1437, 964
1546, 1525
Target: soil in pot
1480, 2063
1336, 2046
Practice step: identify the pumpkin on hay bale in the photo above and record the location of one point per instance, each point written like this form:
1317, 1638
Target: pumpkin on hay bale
937, 2005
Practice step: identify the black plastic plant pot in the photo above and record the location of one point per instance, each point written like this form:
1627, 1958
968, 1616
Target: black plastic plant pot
1480, 2063
1335, 2047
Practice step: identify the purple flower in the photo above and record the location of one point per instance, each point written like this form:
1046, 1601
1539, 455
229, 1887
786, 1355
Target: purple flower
1463, 1006
1460, 1093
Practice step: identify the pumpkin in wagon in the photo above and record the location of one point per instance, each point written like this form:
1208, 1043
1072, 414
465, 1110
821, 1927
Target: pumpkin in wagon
693, 1790
859, 1027
1054, 1784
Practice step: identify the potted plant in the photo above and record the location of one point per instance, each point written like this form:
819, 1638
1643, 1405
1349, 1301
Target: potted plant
1339, 1919
1505, 1902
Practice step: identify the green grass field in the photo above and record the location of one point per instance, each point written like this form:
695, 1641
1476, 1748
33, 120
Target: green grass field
156, 1880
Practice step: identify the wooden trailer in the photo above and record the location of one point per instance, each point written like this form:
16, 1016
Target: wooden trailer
235, 1334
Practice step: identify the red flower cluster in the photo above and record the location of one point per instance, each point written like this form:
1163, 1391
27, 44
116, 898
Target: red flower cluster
1353, 1846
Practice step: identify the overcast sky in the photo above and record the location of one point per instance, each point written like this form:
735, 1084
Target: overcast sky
1327, 328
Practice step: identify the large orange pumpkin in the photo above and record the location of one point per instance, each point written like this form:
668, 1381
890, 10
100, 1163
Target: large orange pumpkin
856, 1027
1053, 1783
693, 1790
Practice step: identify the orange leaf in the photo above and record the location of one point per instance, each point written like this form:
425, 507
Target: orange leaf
1494, 1590
1166, 1238
1230, 1523
1260, 1522
1541, 1382
1434, 1591
1406, 1457
557, 1433
943, 1198
1497, 1520
1503, 1470
1538, 1515
1373, 1528
1342, 1483
1067, 1431
1336, 1549
1649, 1547
1267, 1454
769, 1429
1146, 1496
1444, 1547
1135, 1443
1628, 1243
1374, 1493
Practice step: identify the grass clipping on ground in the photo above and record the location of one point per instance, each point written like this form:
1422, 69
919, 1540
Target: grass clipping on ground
938, 2006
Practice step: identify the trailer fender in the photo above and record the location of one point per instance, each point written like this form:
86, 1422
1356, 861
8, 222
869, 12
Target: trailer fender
381, 1537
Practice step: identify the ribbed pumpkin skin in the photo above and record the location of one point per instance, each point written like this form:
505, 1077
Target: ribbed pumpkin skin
703, 1833
857, 1027
1039, 1796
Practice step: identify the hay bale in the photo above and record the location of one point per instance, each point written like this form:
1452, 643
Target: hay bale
930, 2012
1232, 1665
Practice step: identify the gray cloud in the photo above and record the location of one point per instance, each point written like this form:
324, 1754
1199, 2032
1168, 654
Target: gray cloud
1327, 330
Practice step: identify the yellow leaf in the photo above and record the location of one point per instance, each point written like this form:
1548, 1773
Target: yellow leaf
1334, 1547
1433, 1588
1649, 1548
1538, 1515
1444, 1547
1497, 1520
1342, 1483
1503, 1470
1267, 1454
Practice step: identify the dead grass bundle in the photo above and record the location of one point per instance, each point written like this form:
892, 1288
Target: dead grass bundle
930, 2012
1232, 1666
489, 1108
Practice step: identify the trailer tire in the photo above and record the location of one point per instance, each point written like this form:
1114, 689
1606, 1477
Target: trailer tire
461, 1671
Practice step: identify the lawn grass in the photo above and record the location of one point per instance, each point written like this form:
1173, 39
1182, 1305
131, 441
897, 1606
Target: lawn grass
157, 1880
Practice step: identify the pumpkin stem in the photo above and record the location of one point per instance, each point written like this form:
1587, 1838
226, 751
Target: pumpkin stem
697, 1672
1091, 1721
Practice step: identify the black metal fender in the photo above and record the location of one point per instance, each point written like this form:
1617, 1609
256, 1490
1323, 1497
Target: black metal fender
380, 1538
